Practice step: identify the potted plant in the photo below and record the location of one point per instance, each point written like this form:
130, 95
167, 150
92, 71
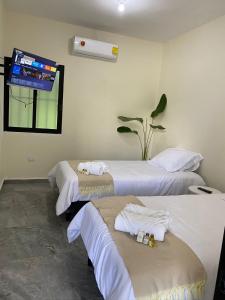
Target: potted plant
147, 127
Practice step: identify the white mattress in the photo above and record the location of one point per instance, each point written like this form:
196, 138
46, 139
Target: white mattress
197, 219
137, 178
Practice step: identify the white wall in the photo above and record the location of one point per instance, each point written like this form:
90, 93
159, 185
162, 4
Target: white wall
193, 77
95, 93
1, 90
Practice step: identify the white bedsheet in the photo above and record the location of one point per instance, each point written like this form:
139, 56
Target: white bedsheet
197, 219
130, 178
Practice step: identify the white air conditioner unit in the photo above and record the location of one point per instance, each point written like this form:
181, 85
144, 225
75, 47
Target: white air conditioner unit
96, 49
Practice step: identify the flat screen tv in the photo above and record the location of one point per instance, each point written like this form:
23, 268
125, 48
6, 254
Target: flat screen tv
32, 71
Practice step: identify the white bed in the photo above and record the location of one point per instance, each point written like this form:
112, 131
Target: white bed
197, 219
129, 178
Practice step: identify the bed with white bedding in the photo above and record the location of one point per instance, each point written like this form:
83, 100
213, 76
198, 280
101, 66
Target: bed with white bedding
198, 220
129, 178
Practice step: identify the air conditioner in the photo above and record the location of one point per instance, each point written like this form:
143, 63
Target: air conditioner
95, 49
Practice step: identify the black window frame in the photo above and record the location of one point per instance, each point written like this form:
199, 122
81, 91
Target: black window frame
58, 130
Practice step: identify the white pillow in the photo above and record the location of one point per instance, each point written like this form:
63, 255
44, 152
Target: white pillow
176, 159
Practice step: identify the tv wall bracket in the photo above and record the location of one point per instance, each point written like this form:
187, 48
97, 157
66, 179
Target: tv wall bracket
2, 66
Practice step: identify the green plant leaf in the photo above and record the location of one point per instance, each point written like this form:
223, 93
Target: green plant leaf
124, 129
160, 127
127, 119
160, 107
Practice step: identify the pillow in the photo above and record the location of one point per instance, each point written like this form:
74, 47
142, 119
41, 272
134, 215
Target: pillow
193, 168
176, 159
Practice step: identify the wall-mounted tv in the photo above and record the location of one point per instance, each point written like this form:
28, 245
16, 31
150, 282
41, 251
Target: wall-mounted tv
32, 71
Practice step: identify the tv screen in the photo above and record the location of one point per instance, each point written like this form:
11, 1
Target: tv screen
32, 71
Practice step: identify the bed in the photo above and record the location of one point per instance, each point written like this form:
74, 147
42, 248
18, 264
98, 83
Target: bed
201, 228
129, 178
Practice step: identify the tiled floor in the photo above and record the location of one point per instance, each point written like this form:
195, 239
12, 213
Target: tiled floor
36, 261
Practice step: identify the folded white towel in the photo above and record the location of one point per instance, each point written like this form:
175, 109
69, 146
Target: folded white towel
93, 168
143, 210
134, 218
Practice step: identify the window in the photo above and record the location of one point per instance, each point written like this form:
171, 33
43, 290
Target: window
27, 110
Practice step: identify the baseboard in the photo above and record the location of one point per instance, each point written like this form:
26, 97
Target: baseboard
26, 180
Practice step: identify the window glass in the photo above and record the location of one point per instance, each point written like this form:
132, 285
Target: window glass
47, 107
20, 114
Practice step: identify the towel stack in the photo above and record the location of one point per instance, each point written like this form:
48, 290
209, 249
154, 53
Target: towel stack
134, 218
93, 168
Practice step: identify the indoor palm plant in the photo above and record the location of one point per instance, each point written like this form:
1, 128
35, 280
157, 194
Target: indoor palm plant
147, 127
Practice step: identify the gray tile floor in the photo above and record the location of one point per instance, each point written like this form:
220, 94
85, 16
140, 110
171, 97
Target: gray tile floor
36, 261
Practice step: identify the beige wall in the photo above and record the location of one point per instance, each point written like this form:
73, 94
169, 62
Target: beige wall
95, 93
193, 76
1, 89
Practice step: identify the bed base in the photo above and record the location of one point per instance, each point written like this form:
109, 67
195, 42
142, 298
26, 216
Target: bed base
90, 263
73, 209
220, 282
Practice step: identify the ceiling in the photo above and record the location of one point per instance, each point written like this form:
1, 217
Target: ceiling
157, 20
